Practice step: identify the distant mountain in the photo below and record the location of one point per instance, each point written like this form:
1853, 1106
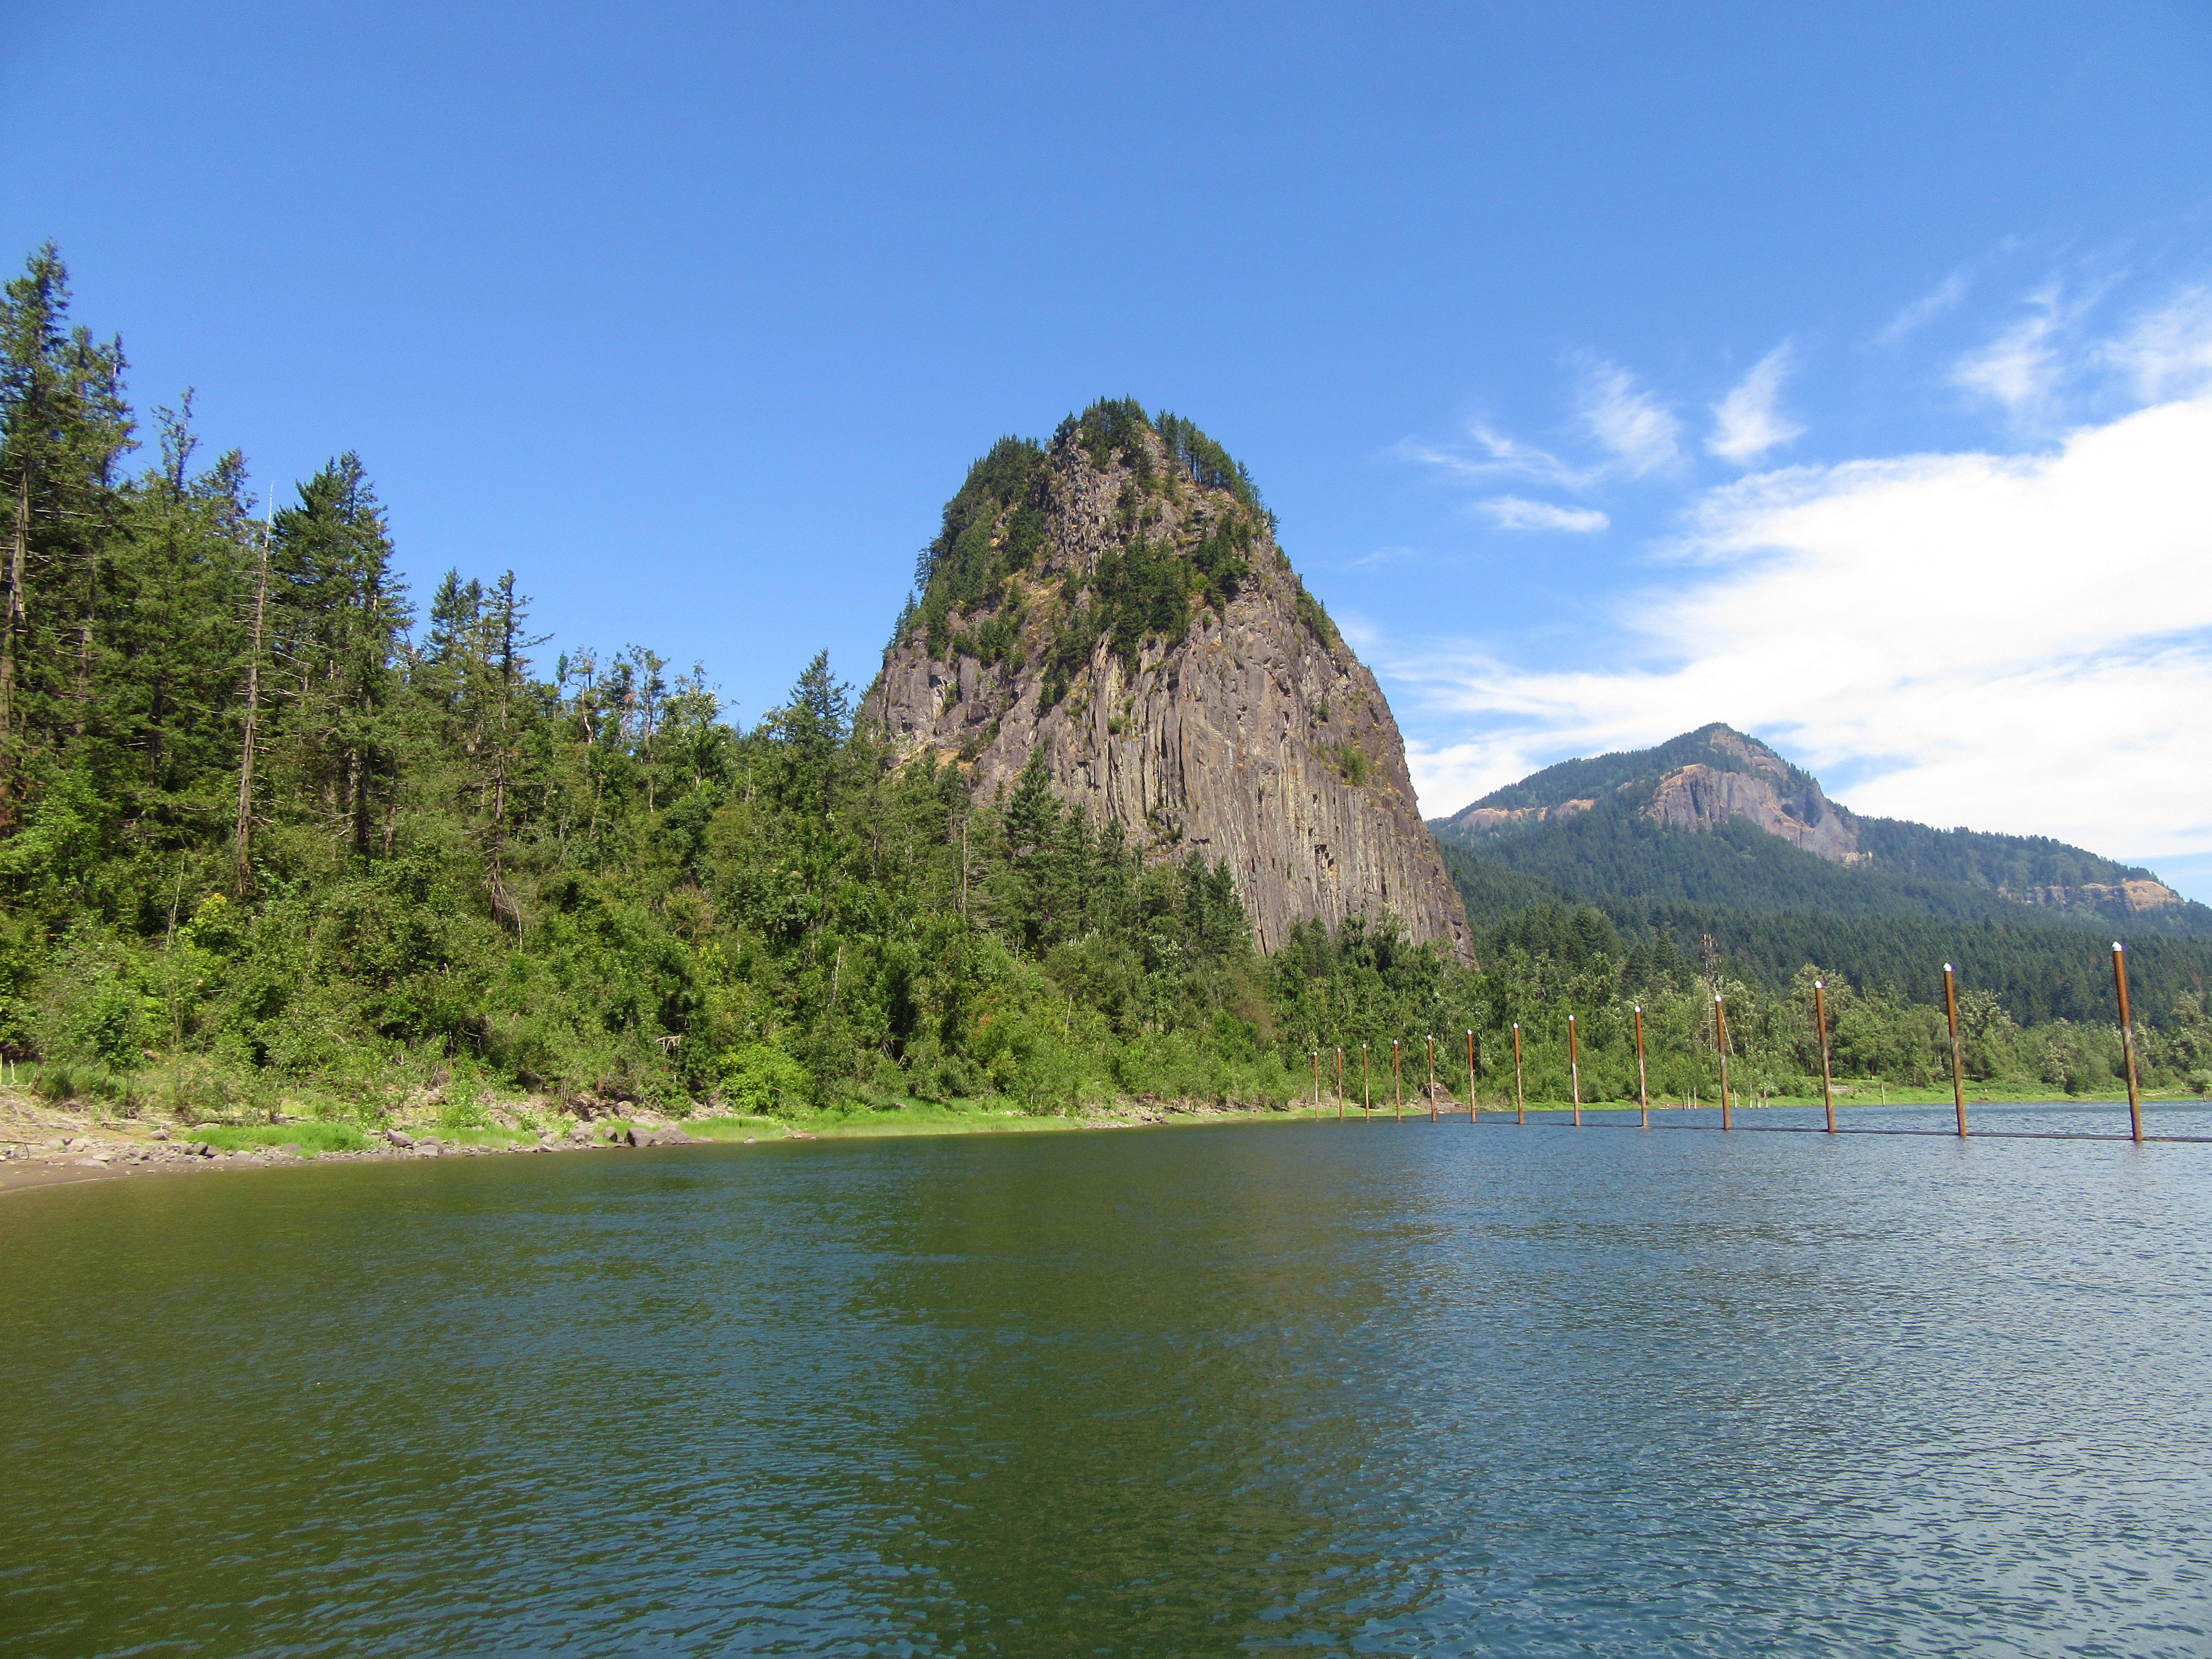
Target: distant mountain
1716, 818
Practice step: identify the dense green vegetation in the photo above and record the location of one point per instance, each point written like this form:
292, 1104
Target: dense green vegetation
1147, 585
1976, 858
1769, 909
1557, 959
1613, 851
269, 833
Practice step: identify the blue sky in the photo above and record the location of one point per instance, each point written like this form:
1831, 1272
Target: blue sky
1843, 373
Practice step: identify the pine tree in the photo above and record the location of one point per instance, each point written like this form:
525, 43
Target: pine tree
340, 621
63, 425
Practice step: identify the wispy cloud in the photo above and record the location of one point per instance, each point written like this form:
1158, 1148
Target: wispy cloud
1519, 513
2020, 370
1639, 433
1749, 421
2022, 643
1382, 555
1495, 455
1639, 429
2169, 350
1926, 309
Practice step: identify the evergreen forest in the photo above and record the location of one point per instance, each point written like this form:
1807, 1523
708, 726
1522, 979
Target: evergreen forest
278, 836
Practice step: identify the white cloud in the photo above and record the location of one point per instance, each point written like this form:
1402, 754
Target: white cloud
2021, 644
2020, 370
1747, 422
1518, 512
1497, 456
1640, 433
1925, 309
2169, 350
1629, 421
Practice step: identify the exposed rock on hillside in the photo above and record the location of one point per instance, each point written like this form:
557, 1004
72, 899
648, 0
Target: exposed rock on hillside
1116, 601
1506, 817
1700, 798
2132, 894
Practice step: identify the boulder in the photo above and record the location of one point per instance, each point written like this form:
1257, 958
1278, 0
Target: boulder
399, 1137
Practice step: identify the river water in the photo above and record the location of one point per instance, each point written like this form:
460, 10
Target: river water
1374, 1389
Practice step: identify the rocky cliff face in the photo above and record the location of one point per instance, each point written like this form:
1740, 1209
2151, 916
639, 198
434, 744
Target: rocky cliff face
1770, 794
2131, 896
1116, 601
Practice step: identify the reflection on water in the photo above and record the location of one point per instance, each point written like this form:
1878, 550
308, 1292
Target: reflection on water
1373, 1388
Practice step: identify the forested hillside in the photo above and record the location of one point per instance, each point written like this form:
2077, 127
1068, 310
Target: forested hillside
1641, 825
276, 835
1909, 899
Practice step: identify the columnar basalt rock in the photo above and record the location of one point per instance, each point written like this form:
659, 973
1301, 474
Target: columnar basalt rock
1125, 611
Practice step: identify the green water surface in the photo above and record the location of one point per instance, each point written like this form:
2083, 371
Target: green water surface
1373, 1389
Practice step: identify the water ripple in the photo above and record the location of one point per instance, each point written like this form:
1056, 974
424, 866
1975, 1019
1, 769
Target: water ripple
1374, 1389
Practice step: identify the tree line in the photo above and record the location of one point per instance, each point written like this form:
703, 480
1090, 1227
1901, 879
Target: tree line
273, 835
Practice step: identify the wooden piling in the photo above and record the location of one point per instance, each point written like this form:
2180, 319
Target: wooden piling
1820, 1031
2128, 1043
1958, 1056
1316, 1059
1574, 1072
1397, 1086
1720, 1042
1520, 1100
1474, 1105
1643, 1085
1366, 1089
1432, 1079
1340, 1085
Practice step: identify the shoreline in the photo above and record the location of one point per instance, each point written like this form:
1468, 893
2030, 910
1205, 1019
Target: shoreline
42, 1147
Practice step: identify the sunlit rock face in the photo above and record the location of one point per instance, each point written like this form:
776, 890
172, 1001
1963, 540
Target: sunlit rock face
1244, 729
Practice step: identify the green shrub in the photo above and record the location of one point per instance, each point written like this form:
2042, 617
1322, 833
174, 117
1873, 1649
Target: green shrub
463, 1109
1316, 619
758, 1078
96, 1011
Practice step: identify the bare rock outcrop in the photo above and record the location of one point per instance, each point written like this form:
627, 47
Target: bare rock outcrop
2131, 894
1484, 818
1116, 601
1705, 798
